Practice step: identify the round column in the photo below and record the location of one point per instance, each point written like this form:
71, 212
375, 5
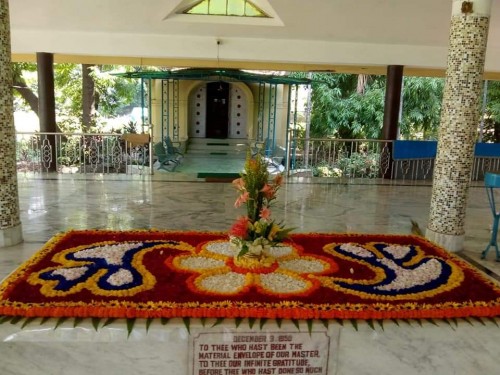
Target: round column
392, 108
10, 224
459, 122
155, 117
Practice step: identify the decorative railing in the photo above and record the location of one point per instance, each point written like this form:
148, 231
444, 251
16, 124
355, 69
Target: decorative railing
368, 158
351, 158
80, 153
313, 157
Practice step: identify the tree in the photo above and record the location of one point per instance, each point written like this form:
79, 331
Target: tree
352, 106
89, 97
422, 99
347, 106
21, 87
85, 94
491, 131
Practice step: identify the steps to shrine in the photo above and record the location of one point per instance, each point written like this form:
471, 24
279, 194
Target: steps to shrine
217, 147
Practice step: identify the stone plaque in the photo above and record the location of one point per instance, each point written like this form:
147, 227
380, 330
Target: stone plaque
254, 353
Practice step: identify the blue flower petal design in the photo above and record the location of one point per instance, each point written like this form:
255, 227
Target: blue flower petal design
428, 274
115, 259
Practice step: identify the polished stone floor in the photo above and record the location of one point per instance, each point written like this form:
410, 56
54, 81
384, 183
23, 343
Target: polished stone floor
54, 203
51, 204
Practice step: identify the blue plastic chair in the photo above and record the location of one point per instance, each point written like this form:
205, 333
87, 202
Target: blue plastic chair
492, 181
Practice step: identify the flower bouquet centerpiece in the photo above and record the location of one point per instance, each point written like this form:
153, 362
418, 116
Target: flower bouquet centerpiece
253, 235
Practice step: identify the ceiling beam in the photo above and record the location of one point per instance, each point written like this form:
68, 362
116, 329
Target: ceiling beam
253, 65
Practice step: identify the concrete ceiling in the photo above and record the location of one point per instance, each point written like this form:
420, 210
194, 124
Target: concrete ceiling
341, 35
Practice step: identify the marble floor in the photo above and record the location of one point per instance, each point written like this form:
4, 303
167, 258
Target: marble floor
51, 204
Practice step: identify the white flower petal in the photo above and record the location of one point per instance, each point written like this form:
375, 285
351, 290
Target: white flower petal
222, 248
300, 265
397, 251
356, 250
280, 251
112, 254
70, 273
406, 278
226, 283
197, 263
120, 277
281, 283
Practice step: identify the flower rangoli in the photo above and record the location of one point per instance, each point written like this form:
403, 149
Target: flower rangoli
215, 271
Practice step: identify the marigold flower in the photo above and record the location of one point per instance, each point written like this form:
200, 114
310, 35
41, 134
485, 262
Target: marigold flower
239, 228
241, 199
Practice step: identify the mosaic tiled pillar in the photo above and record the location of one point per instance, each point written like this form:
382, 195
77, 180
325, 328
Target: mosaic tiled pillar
459, 121
10, 224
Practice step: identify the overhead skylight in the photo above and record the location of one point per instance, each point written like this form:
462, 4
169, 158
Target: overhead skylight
235, 8
236, 12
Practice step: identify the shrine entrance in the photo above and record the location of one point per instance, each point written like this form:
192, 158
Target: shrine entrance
217, 116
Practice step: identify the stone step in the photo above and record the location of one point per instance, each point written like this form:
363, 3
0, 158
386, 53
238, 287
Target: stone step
221, 147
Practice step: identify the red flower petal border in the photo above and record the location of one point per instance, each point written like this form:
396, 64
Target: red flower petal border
125, 274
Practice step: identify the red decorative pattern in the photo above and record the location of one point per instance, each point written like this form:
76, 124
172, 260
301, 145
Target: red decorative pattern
147, 279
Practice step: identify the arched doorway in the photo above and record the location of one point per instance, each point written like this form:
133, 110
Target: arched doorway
218, 110
217, 116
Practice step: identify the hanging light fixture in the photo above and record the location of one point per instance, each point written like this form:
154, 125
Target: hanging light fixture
218, 66
467, 7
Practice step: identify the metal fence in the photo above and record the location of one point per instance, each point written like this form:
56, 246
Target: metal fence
80, 153
313, 157
366, 158
351, 158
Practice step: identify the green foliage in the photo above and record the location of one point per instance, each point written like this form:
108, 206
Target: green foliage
187, 324
113, 94
422, 98
493, 98
70, 153
130, 127
131, 322
130, 326
217, 322
28, 321
148, 323
95, 323
5, 319
323, 169
349, 106
77, 321
491, 131
60, 321
27, 150
23, 74
359, 164
340, 110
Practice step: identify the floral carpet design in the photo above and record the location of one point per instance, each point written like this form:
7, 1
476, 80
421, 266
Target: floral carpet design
153, 274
